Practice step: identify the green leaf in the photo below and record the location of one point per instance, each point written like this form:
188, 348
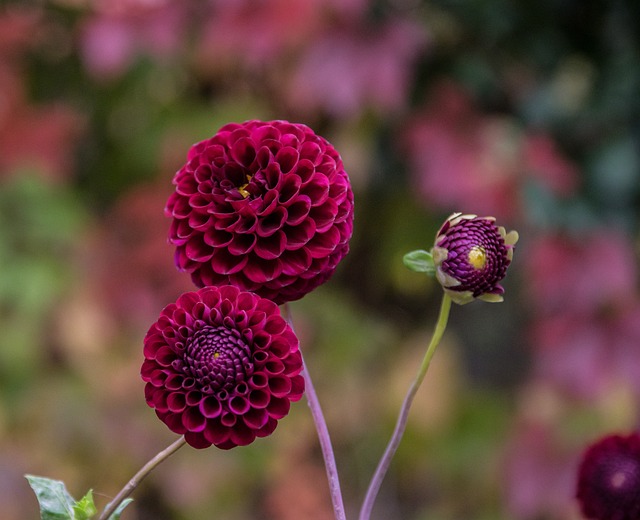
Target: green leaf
420, 261
116, 514
84, 509
55, 501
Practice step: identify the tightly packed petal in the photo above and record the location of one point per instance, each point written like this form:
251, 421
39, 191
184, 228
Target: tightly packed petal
471, 256
609, 479
221, 367
264, 206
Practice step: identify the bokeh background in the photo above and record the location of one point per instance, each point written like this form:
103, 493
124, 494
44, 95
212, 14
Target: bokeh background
529, 111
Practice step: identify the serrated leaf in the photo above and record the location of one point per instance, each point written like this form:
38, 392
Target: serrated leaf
85, 508
116, 514
55, 501
420, 261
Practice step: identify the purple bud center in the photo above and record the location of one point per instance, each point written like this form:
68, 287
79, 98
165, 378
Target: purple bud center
217, 358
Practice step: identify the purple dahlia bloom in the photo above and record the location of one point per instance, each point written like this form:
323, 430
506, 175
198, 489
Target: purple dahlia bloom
609, 479
264, 206
221, 367
471, 256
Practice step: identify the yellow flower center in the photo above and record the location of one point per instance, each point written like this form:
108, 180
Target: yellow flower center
242, 189
477, 257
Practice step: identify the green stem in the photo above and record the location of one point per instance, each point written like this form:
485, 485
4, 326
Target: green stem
401, 423
137, 478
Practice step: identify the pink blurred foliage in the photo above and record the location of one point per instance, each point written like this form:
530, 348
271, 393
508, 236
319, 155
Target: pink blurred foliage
13, 493
586, 328
255, 34
31, 136
580, 273
585, 356
346, 9
17, 26
116, 33
41, 138
133, 260
539, 473
299, 491
544, 161
584, 332
349, 69
462, 158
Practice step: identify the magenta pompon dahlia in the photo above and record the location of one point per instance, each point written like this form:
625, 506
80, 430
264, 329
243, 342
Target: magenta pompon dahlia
608, 485
221, 367
471, 255
264, 206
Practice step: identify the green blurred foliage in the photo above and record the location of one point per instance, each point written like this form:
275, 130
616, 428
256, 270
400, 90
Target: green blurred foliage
40, 227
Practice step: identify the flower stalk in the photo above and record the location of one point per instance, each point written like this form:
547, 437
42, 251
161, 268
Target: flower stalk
139, 476
401, 423
323, 436
325, 445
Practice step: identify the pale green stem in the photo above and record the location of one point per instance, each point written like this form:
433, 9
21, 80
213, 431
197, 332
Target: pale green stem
394, 442
138, 477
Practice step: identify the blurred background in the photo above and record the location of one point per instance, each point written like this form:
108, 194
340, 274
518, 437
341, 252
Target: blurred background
528, 111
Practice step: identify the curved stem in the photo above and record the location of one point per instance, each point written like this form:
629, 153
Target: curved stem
323, 436
138, 477
325, 445
401, 423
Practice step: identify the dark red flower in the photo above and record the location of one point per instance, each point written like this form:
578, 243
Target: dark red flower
609, 479
264, 206
222, 367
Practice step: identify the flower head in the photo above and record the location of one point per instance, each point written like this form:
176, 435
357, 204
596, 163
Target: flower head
471, 255
264, 206
609, 479
221, 367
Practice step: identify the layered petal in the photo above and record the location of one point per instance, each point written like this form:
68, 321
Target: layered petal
609, 479
221, 367
256, 205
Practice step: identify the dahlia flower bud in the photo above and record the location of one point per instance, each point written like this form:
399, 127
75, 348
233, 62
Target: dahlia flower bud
264, 206
471, 256
221, 367
609, 479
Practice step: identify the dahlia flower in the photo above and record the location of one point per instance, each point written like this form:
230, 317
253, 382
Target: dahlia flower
471, 255
609, 479
264, 206
221, 367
